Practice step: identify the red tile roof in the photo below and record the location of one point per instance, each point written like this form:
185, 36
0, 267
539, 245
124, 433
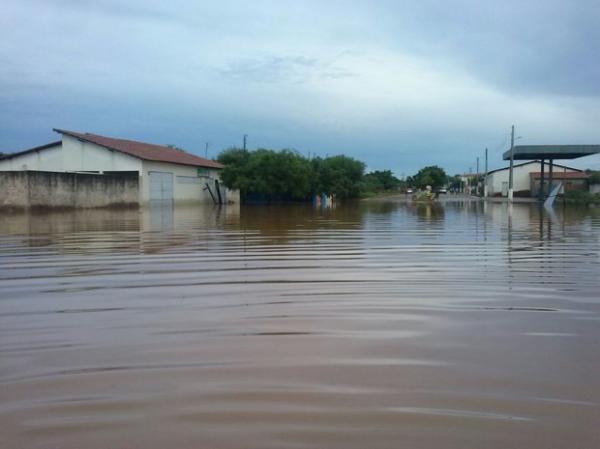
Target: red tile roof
146, 151
560, 175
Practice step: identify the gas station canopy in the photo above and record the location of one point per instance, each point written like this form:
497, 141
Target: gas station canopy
530, 152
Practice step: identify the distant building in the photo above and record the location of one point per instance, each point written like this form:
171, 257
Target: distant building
165, 174
527, 176
469, 183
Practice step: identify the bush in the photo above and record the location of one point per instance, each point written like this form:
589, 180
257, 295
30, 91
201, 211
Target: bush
582, 197
595, 177
288, 176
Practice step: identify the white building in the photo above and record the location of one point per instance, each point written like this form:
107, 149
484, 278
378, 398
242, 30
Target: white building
164, 173
526, 178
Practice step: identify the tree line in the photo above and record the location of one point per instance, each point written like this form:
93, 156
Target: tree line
286, 175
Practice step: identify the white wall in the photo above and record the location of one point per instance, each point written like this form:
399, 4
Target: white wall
188, 187
73, 156
49, 159
521, 178
86, 156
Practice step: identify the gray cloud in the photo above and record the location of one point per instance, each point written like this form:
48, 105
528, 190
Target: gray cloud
114, 8
399, 84
280, 69
535, 46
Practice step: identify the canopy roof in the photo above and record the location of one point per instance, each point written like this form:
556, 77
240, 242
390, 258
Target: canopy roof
528, 152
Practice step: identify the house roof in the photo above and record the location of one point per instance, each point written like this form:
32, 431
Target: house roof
533, 162
560, 175
141, 150
32, 150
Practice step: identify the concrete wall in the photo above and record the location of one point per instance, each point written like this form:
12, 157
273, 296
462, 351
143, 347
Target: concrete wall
37, 189
567, 185
14, 189
521, 178
594, 188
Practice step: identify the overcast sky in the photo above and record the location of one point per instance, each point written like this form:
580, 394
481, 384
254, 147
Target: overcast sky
397, 84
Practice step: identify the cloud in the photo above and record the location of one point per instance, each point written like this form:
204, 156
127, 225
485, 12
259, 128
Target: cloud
395, 84
282, 69
531, 47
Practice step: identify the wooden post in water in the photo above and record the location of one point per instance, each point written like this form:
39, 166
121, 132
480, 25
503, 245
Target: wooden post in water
211, 194
218, 188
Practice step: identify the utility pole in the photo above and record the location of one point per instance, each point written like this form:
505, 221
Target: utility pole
477, 178
469, 176
245, 137
512, 158
486, 174
206, 151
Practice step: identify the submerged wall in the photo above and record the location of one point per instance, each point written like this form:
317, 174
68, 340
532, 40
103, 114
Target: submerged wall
38, 189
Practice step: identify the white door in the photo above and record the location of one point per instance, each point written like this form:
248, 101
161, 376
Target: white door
161, 186
504, 188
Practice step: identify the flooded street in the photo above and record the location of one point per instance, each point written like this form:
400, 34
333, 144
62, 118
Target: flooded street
375, 325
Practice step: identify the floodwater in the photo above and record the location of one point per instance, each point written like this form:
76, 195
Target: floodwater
375, 325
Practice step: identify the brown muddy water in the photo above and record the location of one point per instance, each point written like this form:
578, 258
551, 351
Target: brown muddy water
376, 325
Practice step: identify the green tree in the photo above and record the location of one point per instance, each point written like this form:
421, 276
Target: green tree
432, 175
382, 180
455, 183
340, 176
274, 175
236, 173
594, 176
287, 175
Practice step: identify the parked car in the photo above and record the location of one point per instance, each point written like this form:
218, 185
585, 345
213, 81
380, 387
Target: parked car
443, 190
409, 191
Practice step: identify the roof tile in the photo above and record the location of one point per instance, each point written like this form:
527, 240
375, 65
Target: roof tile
146, 151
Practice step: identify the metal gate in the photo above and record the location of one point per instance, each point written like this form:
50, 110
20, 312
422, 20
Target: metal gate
161, 186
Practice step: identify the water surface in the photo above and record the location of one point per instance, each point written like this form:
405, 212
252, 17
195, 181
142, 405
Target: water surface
375, 325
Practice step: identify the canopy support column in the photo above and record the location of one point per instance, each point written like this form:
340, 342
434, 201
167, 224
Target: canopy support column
550, 175
542, 179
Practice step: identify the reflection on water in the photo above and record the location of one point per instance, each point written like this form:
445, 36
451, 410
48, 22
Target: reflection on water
377, 325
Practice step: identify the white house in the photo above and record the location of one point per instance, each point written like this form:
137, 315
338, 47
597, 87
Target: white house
526, 178
164, 173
